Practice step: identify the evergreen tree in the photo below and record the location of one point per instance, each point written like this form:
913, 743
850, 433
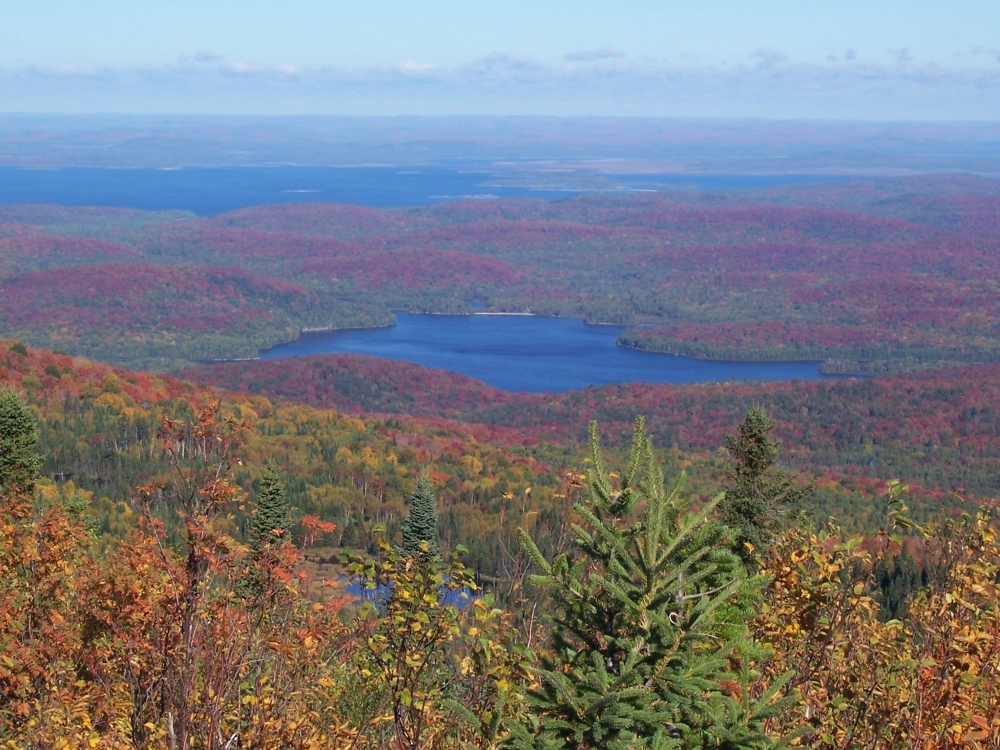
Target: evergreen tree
269, 524
649, 639
898, 577
421, 525
19, 464
758, 497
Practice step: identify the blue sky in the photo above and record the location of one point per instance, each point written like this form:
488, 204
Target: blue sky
768, 58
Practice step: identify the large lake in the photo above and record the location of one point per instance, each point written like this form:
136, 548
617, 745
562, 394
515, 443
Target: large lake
212, 190
533, 354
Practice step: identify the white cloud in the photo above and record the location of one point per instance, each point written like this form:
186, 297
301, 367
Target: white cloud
766, 84
237, 67
902, 55
410, 67
502, 66
988, 51
604, 53
767, 57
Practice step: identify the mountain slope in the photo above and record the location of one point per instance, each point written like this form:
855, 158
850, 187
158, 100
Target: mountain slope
939, 429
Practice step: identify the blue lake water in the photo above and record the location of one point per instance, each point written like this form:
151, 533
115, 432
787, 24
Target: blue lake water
533, 354
211, 190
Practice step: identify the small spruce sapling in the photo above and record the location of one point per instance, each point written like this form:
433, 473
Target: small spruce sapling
759, 496
19, 463
268, 529
421, 525
269, 525
649, 644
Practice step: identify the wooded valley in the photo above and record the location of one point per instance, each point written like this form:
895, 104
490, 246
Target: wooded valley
341, 551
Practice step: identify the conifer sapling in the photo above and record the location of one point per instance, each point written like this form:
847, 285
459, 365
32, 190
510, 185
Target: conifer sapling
421, 525
649, 644
753, 505
19, 464
269, 524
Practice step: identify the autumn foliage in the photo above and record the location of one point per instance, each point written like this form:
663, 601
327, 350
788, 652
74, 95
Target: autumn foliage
876, 275
937, 430
929, 680
143, 604
157, 641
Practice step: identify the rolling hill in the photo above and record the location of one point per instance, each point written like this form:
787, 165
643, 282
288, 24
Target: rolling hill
837, 271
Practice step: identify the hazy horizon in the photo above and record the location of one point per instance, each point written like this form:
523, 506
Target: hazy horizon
775, 59
597, 144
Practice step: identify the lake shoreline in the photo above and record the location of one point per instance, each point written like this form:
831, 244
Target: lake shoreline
717, 359
306, 333
310, 332
528, 352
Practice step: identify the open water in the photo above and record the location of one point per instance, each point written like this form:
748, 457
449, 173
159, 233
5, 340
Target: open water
531, 354
212, 190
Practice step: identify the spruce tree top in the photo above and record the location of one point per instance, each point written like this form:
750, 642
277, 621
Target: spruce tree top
421, 525
752, 505
649, 621
753, 450
270, 524
19, 463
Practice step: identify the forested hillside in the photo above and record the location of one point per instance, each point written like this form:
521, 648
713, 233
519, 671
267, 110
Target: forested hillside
98, 427
498, 459
659, 617
875, 276
939, 430
345, 552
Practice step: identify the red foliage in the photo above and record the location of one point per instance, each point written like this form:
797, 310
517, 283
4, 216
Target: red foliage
939, 428
370, 264
47, 214
330, 219
34, 250
108, 297
315, 528
745, 337
415, 268
8, 229
722, 271
201, 240
61, 375
355, 383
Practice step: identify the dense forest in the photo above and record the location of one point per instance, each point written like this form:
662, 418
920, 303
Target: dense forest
97, 426
657, 618
938, 430
875, 276
347, 552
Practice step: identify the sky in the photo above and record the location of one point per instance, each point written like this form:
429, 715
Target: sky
878, 60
